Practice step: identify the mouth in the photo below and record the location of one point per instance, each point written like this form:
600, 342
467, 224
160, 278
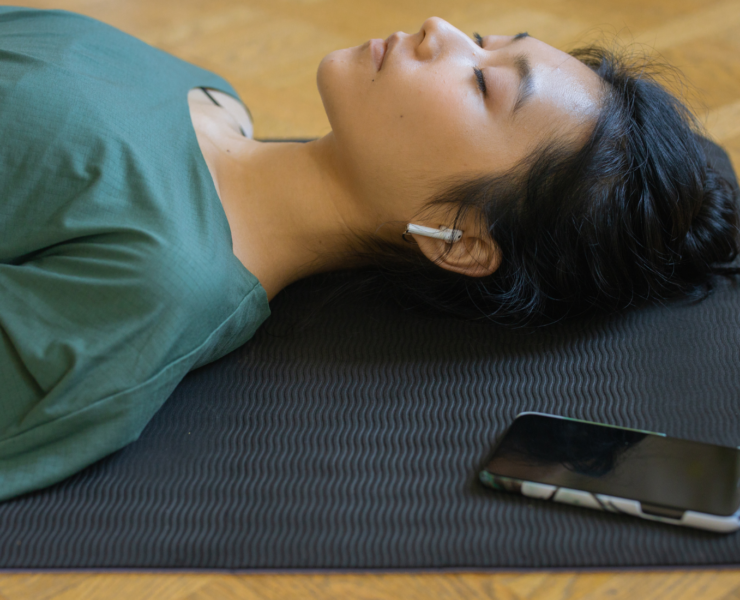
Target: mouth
378, 49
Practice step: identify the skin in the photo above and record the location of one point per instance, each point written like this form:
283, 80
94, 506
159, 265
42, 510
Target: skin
399, 135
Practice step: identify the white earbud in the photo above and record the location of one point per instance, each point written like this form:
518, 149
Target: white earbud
443, 233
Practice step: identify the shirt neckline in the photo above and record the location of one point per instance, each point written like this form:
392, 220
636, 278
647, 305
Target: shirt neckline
203, 167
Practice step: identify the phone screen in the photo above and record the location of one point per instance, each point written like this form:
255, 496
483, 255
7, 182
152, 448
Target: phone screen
620, 462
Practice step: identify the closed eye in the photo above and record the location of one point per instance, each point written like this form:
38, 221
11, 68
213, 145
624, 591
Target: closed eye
481, 81
478, 73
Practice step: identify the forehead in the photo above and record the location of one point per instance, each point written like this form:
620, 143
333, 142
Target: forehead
566, 92
562, 83
564, 102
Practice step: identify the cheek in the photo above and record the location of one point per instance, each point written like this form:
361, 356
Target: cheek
435, 122
409, 127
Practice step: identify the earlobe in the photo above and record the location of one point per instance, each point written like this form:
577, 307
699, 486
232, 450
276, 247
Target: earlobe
471, 256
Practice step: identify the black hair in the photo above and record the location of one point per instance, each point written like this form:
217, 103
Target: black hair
635, 214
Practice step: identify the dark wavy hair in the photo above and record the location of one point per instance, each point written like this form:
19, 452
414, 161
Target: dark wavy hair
634, 215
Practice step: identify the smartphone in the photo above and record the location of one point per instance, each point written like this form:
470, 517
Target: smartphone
616, 469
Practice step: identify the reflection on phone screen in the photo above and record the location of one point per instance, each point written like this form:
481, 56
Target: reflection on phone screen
620, 462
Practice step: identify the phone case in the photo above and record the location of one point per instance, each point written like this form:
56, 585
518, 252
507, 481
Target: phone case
613, 504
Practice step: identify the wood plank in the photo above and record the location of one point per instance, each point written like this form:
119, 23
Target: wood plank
706, 21
723, 123
657, 585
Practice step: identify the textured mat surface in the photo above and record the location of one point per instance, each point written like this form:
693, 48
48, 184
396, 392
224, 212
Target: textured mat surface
353, 440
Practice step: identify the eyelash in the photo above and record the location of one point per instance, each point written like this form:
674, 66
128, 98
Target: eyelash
481, 80
478, 72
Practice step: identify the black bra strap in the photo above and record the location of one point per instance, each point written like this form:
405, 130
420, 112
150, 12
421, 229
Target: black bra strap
244, 133
211, 97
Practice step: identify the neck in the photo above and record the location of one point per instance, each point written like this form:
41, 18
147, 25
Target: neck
291, 211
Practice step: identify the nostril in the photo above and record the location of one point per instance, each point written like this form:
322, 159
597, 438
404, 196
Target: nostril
423, 30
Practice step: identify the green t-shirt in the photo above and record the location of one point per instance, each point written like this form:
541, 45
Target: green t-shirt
117, 274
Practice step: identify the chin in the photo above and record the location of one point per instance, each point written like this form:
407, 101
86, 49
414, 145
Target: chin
333, 81
333, 68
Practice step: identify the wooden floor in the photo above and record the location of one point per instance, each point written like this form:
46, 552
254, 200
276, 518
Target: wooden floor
269, 51
689, 585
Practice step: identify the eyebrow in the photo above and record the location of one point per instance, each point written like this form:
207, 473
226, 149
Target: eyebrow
526, 84
524, 69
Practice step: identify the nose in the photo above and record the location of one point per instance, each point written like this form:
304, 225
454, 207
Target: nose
434, 27
433, 24
436, 32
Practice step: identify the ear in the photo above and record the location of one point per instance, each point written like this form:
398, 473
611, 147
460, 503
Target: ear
474, 256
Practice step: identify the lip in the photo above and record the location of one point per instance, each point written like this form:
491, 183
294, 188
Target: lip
378, 50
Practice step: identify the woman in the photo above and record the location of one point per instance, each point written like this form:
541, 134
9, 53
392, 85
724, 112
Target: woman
143, 236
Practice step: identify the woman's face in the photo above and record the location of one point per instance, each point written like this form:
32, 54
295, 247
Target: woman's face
414, 111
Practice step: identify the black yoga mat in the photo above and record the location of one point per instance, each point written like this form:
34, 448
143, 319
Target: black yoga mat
350, 435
